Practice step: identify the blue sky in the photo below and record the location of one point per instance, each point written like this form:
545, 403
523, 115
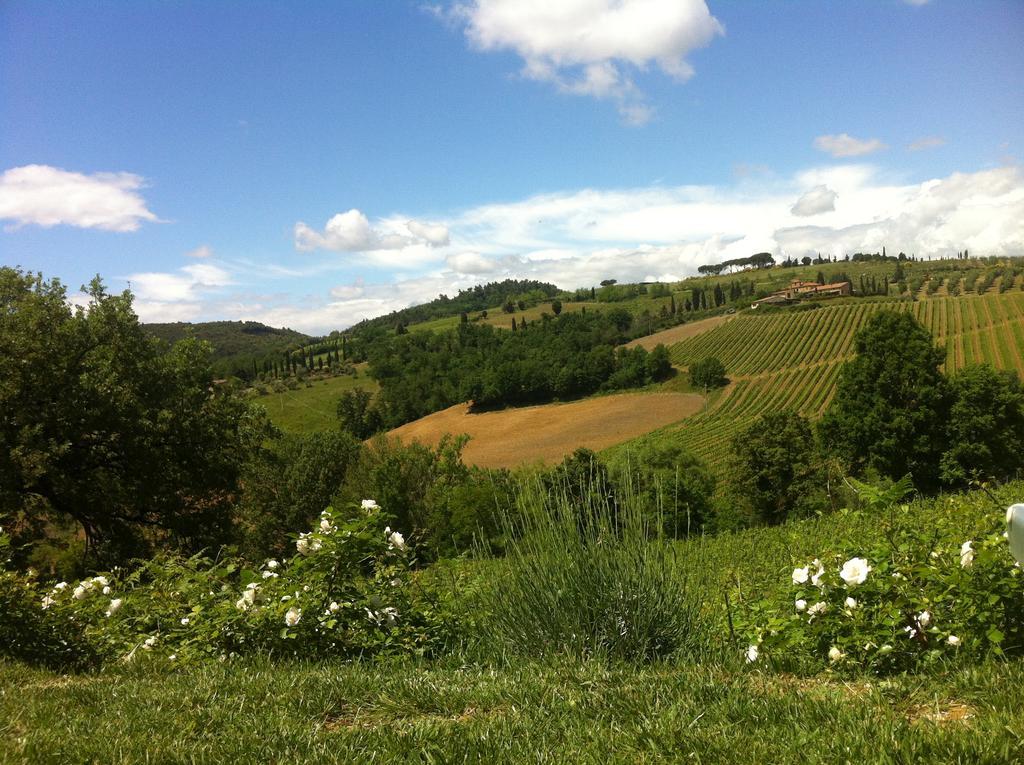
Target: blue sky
310, 164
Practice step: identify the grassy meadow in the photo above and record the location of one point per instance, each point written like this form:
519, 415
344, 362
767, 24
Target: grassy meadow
311, 409
482, 703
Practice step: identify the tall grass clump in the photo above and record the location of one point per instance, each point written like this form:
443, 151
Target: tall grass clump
589, 574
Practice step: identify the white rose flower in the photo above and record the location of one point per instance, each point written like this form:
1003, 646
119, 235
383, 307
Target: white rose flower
106, 590
242, 604
752, 654
924, 619
172, 657
834, 654
325, 526
272, 564
370, 504
800, 575
249, 596
966, 554
333, 608
302, 545
818, 608
854, 571
390, 616
396, 540
801, 605
270, 575
185, 621
149, 642
953, 640
816, 578
60, 586
115, 604
80, 592
47, 602
851, 603
293, 616
102, 581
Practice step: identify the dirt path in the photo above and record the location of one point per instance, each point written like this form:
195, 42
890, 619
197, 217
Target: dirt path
669, 337
526, 435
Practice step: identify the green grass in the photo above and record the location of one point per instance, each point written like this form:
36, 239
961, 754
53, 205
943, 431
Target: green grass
553, 712
307, 410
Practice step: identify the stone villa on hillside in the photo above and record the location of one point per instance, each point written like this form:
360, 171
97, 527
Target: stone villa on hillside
798, 290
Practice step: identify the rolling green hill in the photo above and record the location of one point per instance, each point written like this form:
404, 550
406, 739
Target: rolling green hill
232, 338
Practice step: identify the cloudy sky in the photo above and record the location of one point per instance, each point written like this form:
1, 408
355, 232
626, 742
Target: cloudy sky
312, 164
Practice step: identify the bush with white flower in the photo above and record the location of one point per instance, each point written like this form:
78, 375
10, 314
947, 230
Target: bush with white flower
921, 597
348, 590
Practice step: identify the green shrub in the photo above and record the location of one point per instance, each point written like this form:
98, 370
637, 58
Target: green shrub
347, 592
592, 579
922, 596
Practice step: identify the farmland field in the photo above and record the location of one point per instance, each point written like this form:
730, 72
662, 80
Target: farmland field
547, 433
791, 360
307, 410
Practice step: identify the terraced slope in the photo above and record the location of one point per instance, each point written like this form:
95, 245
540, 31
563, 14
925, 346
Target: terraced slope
792, 360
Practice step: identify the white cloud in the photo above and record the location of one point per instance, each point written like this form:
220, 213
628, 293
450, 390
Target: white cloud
47, 196
472, 263
577, 238
203, 251
351, 232
844, 145
928, 142
818, 200
162, 296
592, 47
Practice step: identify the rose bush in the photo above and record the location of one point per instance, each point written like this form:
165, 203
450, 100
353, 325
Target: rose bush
908, 602
349, 590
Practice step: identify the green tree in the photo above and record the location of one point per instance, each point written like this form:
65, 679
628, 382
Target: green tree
556, 306
675, 483
707, 373
891, 404
103, 427
357, 414
776, 467
287, 486
985, 428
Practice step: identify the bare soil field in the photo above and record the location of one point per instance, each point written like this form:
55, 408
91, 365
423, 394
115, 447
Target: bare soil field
547, 433
675, 334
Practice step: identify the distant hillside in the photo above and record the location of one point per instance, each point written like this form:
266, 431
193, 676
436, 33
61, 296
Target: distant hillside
232, 338
478, 298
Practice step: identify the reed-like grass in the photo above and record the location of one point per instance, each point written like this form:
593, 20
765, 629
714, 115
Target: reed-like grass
590, 576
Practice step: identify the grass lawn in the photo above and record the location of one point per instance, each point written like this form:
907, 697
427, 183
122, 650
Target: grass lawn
554, 712
307, 410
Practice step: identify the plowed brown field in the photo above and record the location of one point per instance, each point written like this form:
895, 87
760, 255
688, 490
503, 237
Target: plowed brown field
526, 435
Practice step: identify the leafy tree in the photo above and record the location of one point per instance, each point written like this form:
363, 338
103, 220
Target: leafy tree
357, 414
676, 484
775, 466
890, 407
103, 427
985, 428
709, 372
288, 485
556, 306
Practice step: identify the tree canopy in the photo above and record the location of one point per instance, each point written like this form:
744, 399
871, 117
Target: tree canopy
103, 426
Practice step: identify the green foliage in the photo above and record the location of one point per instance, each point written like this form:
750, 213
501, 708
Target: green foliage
985, 427
673, 484
100, 426
590, 581
889, 410
347, 592
776, 468
709, 372
285, 486
357, 415
561, 357
909, 602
